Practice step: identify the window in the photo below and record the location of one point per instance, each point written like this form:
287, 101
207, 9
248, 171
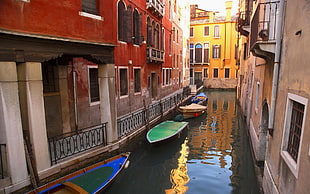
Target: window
206, 53
137, 77
206, 31
205, 72
191, 53
245, 51
216, 52
257, 95
123, 76
173, 30
149, 32
198, 53
137, 38
166, 76
227, 73
90, 6
121, 21
215, 72
49, 75
191, 32
293, 129
216, 31
170, 44
93, 84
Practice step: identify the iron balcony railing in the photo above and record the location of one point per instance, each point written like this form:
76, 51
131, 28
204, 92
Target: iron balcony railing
129, 123
2, 160
154, 55
244, 20
264, 22
68, 144
156, 6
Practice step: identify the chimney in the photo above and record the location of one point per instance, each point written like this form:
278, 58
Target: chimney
228, 5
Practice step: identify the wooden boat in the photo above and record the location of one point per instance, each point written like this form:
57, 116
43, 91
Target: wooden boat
92, 179
165, 131
199, 98
192, 110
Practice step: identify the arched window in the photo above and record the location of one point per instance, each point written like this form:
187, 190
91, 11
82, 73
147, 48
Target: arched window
198, 53
156, 33
137, 28
206, 50
149, 32
121, 20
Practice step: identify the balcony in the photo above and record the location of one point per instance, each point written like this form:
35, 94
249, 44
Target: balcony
263, 30
154, 55
156, 6
243, 25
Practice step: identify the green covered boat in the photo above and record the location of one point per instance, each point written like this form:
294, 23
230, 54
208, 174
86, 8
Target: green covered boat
165, 130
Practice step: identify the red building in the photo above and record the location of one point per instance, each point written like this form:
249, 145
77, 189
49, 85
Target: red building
143, 56
56, 76
77, 65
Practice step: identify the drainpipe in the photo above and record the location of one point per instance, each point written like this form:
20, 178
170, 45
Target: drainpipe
276, 67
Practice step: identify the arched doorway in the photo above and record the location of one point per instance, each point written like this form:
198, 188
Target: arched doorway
263, 132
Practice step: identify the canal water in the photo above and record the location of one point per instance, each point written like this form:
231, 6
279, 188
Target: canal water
212, 156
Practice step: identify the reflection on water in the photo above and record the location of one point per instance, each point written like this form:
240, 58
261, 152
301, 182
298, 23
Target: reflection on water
178, 176
213, 156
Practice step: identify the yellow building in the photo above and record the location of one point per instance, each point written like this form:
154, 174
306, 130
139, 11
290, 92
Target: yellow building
213, 41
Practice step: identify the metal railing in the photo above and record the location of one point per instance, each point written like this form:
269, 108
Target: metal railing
2, 160
128, 123
74, 142
264, 22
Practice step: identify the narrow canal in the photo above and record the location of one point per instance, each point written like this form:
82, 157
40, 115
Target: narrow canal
212, 156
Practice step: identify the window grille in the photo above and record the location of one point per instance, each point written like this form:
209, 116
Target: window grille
295, 129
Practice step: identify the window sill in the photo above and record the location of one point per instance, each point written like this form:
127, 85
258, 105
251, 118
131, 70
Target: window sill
124, 96
290, 162
89, 15
94, 103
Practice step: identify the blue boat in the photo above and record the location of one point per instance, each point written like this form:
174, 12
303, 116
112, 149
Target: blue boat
199, 98
92, 179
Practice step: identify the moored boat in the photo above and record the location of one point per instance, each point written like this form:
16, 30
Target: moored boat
192, 110
92, 179
165, 131
199, 98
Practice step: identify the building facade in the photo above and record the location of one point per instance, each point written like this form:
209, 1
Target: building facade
149, 52
213, 41
75, 69
274, 90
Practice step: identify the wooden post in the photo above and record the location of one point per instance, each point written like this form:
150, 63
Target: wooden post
34, 177
147, 116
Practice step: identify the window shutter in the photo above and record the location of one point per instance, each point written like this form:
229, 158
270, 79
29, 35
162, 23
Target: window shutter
121, 17
128, 24
149, 34
140, 28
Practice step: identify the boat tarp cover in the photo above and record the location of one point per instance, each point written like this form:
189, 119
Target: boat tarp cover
96, 178
193, 107
165, 129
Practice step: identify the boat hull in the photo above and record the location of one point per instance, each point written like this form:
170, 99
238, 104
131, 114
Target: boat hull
165, 131
192, 110
200, 98
92, 179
